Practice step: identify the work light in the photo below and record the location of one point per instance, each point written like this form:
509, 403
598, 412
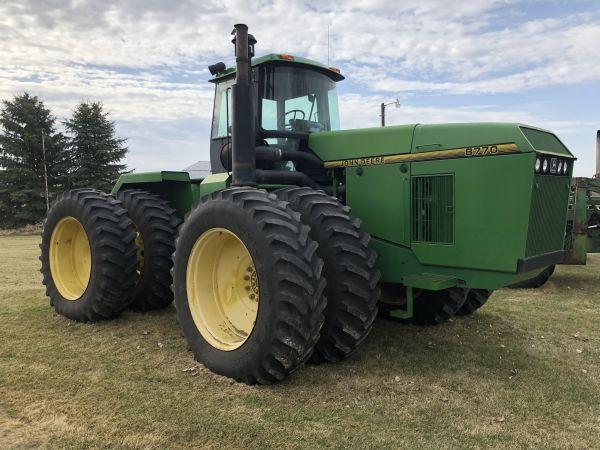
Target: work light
538, 165
560, 168
545, 166
565, 168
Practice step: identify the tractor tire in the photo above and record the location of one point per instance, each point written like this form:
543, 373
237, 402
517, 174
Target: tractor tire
352, 292
248, 286
476, 298
88, 256
156, 226
430, 307
435, 307
537, 281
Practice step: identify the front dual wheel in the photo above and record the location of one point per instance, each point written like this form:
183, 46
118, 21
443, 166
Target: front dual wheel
102, 254
88, 256
248, 285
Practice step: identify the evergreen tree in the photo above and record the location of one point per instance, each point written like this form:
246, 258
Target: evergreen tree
95, 152
23, 121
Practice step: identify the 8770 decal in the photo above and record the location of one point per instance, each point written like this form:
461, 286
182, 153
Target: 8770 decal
481, 150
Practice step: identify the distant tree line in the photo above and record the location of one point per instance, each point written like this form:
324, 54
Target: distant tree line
86, 153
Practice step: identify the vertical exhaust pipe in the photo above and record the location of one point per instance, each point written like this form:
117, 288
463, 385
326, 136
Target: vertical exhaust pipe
242, 130
598, 154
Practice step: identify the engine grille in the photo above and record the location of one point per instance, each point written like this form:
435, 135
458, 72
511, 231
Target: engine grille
433, 209
548, 215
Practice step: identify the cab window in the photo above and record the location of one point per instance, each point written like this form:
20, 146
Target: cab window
297, 99
222, 113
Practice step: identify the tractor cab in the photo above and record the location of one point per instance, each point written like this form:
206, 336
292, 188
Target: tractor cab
294, 97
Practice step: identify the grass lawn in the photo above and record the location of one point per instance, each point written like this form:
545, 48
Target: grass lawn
524, 371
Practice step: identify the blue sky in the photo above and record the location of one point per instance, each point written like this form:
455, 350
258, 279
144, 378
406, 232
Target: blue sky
536, 62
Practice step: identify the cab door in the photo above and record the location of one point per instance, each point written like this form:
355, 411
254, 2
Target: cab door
221, 124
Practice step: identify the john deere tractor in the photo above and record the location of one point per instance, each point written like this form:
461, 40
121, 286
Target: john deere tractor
285, 251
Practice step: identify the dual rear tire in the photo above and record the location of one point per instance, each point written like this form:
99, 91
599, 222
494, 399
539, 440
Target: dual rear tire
88, 256
249, 287
156, 226
265, 281
102, 254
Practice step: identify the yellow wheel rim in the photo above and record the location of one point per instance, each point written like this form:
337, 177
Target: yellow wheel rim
70, 258
222, 289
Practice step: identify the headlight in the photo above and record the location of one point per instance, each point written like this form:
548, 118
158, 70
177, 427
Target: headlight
560, 168
545, 165
565, 168
538, 165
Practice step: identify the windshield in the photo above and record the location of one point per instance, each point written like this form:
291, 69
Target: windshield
297, 99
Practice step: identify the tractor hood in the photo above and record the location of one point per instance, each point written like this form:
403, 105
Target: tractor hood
387, 144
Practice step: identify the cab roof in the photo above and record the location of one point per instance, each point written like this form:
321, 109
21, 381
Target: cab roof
282, 58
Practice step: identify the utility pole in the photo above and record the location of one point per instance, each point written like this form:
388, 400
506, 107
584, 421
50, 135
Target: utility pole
597, 154
383, 105
45, 173
328, 45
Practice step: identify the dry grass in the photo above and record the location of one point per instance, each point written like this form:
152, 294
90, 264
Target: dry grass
27, 230
522, 372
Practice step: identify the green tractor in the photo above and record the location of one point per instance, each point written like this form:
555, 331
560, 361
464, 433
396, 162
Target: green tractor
582, 235
265, 261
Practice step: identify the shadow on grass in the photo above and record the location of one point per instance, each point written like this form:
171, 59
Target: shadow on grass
481, 345
485, 344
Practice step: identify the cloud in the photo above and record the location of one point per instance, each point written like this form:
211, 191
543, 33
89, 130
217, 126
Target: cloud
146, 59
359, 111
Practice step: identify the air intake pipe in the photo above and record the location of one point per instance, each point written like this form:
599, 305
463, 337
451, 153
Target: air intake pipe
242, 129
289, 177
274, 154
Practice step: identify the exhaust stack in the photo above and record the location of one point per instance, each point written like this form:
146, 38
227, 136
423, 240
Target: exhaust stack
242, 131
598, 154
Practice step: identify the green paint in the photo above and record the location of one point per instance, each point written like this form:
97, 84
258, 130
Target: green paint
476, 217
459, 135
544, 141
380, 196
429, 281
213, 183
406, 313
150, 177
276, 57
175, 187
346, 144
487, 218
402, 139
396, 262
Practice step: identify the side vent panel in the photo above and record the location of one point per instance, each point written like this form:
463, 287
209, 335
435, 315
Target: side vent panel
433, 209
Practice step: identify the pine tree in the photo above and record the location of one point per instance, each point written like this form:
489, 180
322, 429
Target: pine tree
95, 152
23, 122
